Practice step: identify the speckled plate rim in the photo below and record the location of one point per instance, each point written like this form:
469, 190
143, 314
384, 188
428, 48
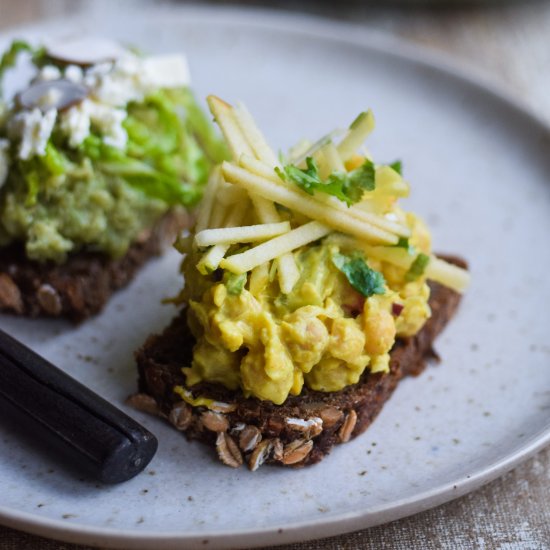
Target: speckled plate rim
380, 43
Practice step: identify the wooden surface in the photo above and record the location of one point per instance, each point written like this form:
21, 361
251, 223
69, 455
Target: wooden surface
511, 46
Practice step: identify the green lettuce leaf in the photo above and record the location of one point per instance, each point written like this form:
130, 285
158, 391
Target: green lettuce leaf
170, 151
37, 172
203, 130
54, 161
151, 182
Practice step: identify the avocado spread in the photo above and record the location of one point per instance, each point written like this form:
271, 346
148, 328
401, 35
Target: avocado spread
93, 150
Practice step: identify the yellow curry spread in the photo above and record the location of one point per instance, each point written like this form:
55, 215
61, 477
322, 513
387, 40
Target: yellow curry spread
303, 271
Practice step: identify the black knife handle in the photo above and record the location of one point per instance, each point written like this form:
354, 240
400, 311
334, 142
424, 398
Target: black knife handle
92, 434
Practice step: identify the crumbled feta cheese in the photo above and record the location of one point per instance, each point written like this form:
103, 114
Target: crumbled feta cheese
109, 122
74, 73
94, 74
4, 160
115, 91
131, 78
75, 123
49, 72
112, 85
165, 71
100, 69
118, 86
128, 65
34, 129
117, 138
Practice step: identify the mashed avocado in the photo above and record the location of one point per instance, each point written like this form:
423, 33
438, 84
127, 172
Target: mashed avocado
323, 334
92, 155
86, 208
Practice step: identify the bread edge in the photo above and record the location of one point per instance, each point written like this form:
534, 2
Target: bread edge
82, 286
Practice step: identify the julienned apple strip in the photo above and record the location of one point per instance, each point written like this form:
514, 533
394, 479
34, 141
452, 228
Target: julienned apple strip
301, 202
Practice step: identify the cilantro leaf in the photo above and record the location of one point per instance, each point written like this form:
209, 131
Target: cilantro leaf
360, 276
397, 166
356, 182
417, 267
345, 186
307, 179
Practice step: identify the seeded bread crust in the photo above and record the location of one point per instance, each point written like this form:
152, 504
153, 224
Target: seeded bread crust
299, 432
80, 287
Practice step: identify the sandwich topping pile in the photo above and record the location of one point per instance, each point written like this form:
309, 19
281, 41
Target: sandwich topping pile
307, 289
96, 147
304, 271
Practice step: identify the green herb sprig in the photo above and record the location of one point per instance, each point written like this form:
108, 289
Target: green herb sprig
361, 277
346, 186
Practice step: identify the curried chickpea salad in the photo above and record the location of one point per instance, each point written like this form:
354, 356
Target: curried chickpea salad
302, 270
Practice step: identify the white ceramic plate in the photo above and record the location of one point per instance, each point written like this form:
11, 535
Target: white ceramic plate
479, 167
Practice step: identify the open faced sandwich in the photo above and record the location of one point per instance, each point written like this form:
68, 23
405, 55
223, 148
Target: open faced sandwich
309, 293
99, 151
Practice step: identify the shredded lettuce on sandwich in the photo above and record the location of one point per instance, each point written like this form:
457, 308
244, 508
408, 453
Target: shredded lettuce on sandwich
97, 146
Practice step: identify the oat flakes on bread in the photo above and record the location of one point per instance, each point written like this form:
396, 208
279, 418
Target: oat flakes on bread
309, 293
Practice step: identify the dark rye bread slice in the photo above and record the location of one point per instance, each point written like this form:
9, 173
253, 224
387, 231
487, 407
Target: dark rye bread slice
80, 287
302, 430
